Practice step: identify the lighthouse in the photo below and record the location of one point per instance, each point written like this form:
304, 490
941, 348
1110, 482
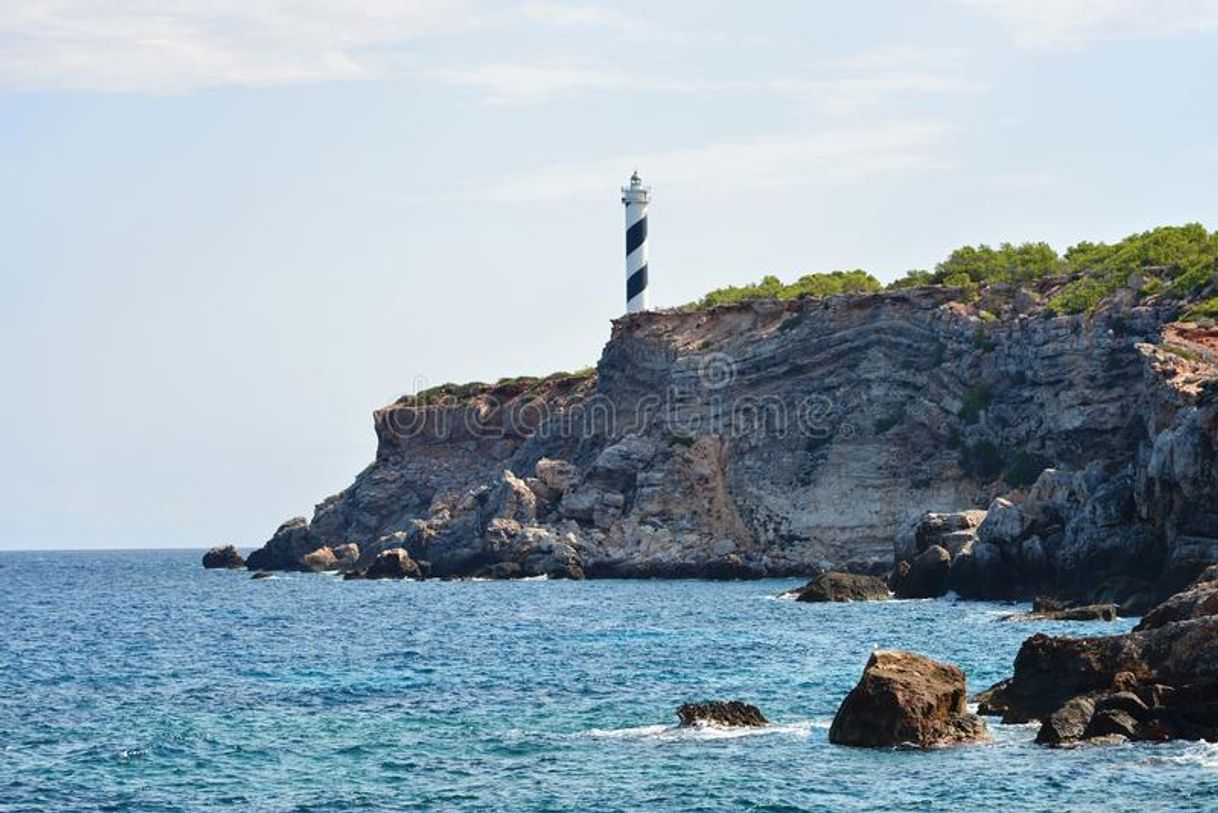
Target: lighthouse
636, 197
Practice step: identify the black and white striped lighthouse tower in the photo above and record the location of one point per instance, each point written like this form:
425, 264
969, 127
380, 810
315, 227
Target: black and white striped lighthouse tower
636, 197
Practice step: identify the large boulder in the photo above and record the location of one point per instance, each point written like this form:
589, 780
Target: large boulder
394, 563
979, 572
1004, 522
906, 699
287, 548
835, 586
732, 713
950, 531
321, 559
926, 576
223, 557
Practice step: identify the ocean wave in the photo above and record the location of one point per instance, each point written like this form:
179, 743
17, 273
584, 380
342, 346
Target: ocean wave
1202, 754
675, 733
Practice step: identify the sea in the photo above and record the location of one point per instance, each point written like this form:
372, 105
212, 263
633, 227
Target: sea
138, 681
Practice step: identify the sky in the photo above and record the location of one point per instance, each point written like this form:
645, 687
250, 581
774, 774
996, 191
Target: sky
230, 229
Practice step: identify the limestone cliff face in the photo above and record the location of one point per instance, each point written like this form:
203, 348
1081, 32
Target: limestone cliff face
779, 437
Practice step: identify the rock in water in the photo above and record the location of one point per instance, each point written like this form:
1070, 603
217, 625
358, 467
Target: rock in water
733, 713
223, 556
1089, 612
1158, 682
834, 586
394, 563
906, 699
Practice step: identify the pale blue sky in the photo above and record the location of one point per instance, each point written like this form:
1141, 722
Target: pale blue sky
232, 229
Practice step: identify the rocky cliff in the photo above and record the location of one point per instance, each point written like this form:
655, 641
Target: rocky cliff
783, 437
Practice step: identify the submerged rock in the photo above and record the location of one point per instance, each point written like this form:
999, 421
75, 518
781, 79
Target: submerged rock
835, 586
906, 699
223, 557
731, 713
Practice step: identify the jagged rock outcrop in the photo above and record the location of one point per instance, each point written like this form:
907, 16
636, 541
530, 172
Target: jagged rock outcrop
837, 586
906, 699
1155, 683
286, 550
727, 714
223, 557
782, 438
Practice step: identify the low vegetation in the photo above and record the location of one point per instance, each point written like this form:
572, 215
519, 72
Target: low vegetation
504, 389
809, 285
1173, 261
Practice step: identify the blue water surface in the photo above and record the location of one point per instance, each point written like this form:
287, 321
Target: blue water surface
137, 681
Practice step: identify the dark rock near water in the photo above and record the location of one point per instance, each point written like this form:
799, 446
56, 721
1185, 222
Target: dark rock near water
1198, 600
1055, 611
834, 586
1158, 682
286, 550
223, 556
394, 563
906, 699
731, 713
926, 576
1068, 723
261, 574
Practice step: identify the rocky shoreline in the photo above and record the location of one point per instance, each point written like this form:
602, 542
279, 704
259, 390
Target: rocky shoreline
1009, 452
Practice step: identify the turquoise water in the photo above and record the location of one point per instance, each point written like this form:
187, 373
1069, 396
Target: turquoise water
136, 681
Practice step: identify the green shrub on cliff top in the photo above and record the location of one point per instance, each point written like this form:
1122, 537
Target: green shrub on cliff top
809, 285
1180, 261
1185, 257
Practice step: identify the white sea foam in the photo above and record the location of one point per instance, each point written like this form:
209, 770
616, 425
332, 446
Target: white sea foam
801, 728
1203, 754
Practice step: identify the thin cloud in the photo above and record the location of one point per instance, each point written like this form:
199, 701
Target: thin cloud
1076, 23
180, 45
1031, 179
527, 83
824, 158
